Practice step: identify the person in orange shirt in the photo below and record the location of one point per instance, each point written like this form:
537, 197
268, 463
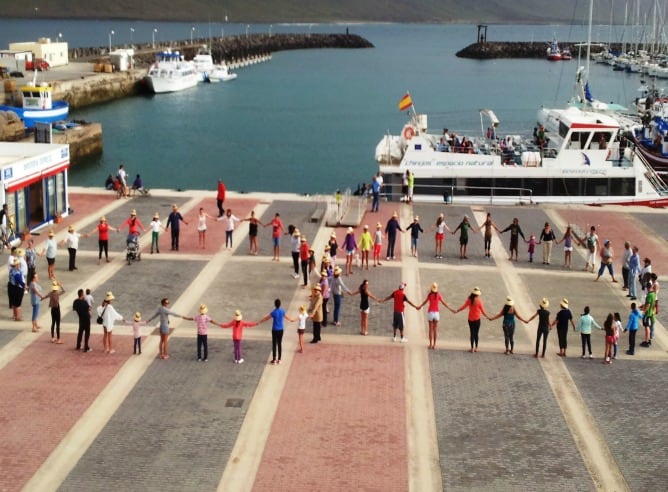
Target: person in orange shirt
237, 325
476, 309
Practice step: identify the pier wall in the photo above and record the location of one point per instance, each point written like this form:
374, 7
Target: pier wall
506, 49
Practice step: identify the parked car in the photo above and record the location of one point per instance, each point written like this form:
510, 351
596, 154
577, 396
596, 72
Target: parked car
39, 64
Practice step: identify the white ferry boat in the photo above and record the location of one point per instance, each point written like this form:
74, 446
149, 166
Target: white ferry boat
574, 156
171, 73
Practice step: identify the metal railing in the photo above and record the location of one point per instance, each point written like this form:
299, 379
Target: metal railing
449, 192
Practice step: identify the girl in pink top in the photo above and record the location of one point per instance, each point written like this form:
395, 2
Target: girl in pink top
201, 321
237, 325
434, 298
476, 309
136, 324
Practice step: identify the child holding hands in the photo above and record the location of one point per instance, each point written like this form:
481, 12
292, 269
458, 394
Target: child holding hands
237, 325
136, 324
201, 321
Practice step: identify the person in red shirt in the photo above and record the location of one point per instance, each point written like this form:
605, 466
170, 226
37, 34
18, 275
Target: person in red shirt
133, 224
476, 308
304, 256
237, 325
103, 238
220, 197
276, 231
433, 299
400, 301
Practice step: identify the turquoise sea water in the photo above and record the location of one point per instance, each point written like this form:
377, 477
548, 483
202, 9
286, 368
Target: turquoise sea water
308, 121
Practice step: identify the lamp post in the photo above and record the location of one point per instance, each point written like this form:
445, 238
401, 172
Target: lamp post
222, 32
111, 33
247, 27
192, 30
309, 30
132, 31
59, 38
153, 36
270, 26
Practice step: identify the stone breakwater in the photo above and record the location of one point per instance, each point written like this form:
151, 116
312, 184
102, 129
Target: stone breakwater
506, 49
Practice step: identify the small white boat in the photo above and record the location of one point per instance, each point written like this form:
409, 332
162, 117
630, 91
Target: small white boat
204, 65
171, 73
221, 73
38, 105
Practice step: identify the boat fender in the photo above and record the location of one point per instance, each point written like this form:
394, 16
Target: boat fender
409, 132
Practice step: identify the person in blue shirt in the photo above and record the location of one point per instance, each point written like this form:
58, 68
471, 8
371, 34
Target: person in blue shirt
375, 191
632, 327
277, 315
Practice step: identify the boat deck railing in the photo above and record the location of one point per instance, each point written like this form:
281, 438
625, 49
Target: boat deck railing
452, 193
652, 176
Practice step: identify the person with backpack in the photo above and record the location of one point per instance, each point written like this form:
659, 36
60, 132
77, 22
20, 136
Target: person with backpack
592, 245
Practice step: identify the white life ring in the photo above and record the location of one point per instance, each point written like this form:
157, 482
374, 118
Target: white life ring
409, 132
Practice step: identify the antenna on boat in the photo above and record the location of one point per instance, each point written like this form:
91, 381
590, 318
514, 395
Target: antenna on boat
591, 14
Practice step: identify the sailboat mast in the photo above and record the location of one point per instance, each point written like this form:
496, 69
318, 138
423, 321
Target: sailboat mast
591, 14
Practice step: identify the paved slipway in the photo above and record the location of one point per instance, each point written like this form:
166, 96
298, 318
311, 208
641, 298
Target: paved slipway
352, 412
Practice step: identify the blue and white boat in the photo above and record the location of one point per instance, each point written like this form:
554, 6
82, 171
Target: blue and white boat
38, 105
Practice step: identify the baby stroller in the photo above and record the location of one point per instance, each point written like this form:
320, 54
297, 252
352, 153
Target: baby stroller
132, 252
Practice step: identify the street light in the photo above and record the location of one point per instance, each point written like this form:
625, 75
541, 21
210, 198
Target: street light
247, 27
59, 38
222, 32
270, 26
192, 30
153, 36
132, 31
309, 30
111, 33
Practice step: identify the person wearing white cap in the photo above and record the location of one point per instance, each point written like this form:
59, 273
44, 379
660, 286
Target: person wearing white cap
201, 320
434, 297
136, 324
476, 310
377, 244
333, 248
72, 242
563, 317
544, 325
237, 325
315, 312
366, 244
156, 225
337, 288
400, 300
350, 247
109, 316
54, 303
509, 313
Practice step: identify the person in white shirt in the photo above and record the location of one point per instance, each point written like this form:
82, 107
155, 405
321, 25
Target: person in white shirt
72, 242
155, 226
228, 221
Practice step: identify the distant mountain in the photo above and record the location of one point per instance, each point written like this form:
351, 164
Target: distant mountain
267, 11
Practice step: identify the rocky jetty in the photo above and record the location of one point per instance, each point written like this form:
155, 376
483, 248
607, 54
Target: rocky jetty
506, 49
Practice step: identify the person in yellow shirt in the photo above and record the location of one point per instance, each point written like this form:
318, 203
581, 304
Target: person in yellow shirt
366, 244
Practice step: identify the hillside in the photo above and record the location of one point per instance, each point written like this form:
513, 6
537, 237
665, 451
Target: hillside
418, 11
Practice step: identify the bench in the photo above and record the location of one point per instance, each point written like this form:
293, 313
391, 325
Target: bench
317, 214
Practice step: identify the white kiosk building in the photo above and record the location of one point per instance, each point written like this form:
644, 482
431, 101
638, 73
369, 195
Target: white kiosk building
34, 182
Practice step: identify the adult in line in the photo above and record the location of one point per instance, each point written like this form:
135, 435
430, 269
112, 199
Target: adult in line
133, 224
156, 225
295, 243
391, 229
488, 225
253, 223
568, 240
584, 326
277, 315
563, 317
634, 270
626, 258
31, 260
304, 255
50, 250
315, 312
544, 325
333, 248
201, 227
54, 304
399, 307
122, 176
35, 300
607, 254
365, 294
546, 238
433, 298
83, 310
220, 197
350, 247
515, 233
366, 245
72, 242
16, 287
377, 244
440, 228
592, 244
163, 312
337, 288
109, 316
464, 227
276, 232
229, 220
174, 220
324, 289
415, 229
476, 310
103, 238
509, 313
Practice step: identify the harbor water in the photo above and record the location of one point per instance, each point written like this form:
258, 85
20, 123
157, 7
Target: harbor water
308, 121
